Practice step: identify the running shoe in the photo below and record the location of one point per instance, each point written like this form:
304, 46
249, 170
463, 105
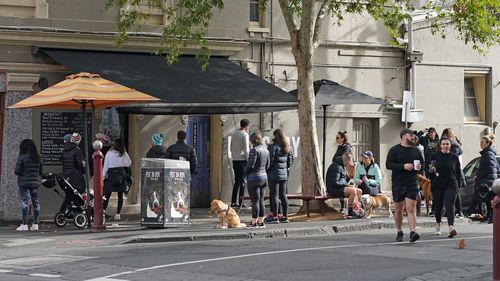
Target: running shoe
414, 236
452, 233
399, 237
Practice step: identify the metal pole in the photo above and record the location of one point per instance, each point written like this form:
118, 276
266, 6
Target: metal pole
495, 203
97, 157
87, 168
324, 137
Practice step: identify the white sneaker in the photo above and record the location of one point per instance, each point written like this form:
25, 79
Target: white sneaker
34, 227
117, 217
437, 230
22, 227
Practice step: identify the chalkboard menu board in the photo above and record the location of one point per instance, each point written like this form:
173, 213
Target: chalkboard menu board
54, 125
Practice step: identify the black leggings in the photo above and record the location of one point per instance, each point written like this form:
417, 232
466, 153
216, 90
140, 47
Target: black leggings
278, 189
447, 196
256, 192
120, 202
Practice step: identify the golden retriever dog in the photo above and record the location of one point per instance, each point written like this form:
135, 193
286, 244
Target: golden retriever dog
378, 201
425, 185
227, 215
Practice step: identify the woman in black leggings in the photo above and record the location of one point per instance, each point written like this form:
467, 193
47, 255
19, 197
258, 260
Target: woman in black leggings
445, 174
255, 170
281, 158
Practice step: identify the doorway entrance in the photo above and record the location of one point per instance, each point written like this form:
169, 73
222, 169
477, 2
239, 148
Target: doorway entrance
198, 136
362, 137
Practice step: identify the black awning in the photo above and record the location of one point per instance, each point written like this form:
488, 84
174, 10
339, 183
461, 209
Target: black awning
332, 93
182, 87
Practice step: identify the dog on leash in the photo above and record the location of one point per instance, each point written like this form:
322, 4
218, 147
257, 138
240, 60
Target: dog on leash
227, 215
425, 185
378, 201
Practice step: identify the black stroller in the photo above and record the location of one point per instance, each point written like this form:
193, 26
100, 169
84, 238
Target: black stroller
74, 205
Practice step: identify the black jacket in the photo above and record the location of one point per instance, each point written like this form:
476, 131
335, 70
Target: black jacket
341, 149
258, 163
336, 176
157, 151
279, 163
183, 151
487, 171
28, 171
72, 158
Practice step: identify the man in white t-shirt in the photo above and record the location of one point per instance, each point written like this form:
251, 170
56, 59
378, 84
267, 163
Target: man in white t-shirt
240, 147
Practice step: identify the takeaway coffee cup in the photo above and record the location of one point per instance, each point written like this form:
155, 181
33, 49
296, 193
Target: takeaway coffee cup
415, 164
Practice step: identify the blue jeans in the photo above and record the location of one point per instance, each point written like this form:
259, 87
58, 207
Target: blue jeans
26, 193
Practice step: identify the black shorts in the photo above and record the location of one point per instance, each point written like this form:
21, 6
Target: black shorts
399, 193
339, 192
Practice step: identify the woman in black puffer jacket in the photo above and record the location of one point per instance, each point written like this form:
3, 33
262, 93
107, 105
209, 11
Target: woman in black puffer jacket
29, 171
281, 158
485, 175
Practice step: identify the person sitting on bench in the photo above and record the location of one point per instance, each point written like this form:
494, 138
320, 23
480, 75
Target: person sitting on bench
368, 176
336, 183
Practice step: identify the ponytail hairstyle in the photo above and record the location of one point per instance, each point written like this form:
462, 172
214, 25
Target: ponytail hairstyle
343, 135
280, 138
489, 139
28, 146
256, 138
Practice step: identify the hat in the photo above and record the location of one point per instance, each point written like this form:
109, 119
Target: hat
405, 131
181, 134
76, 138
367, 154
101, 136
158, 138
67, 138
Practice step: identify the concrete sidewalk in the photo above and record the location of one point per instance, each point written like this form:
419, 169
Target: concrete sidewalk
202, 228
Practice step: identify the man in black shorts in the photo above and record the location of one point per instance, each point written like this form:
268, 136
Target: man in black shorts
405, 161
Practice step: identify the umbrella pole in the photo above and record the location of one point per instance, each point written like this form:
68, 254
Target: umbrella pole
324, 137
87, 168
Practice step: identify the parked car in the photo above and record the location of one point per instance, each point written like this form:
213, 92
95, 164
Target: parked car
467, 192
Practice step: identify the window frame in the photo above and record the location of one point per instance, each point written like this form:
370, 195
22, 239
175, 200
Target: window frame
481, 79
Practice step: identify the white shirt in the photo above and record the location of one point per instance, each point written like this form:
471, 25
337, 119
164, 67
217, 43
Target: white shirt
240, 145
114, 160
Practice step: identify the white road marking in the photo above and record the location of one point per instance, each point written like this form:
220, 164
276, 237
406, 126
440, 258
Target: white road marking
23, 241
44, 275
109, 277
5, 271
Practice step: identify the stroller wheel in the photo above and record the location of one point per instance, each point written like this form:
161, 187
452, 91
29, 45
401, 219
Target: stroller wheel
80, 220
60, 219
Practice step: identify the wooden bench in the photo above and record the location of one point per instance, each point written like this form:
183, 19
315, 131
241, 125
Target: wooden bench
305, 199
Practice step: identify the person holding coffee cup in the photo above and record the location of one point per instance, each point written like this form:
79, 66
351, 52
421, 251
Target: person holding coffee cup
405, 162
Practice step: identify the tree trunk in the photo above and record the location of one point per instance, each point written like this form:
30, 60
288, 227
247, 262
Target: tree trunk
312, 179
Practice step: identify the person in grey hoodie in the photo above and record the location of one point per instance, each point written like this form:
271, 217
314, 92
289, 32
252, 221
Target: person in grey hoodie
157, 150
29, 172
255, 170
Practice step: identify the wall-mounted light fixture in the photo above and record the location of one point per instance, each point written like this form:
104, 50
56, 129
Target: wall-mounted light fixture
222, 118
184, 119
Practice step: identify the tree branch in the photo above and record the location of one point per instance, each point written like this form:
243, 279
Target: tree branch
320, 18
288, 15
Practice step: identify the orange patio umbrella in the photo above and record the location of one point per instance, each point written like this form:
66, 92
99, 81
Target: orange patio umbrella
79, 90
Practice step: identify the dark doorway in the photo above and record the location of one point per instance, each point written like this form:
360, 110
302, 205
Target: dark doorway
198, 135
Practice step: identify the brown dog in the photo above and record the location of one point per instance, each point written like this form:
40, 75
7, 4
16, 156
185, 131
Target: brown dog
425, 185
378, 201
227, 215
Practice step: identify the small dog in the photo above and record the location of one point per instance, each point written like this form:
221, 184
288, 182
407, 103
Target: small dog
378, 201
227, 215
425, 185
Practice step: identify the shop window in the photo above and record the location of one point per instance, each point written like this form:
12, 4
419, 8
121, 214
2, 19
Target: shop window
475, 98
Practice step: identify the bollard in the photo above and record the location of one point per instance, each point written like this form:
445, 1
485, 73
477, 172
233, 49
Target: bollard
495, 204
97, 157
